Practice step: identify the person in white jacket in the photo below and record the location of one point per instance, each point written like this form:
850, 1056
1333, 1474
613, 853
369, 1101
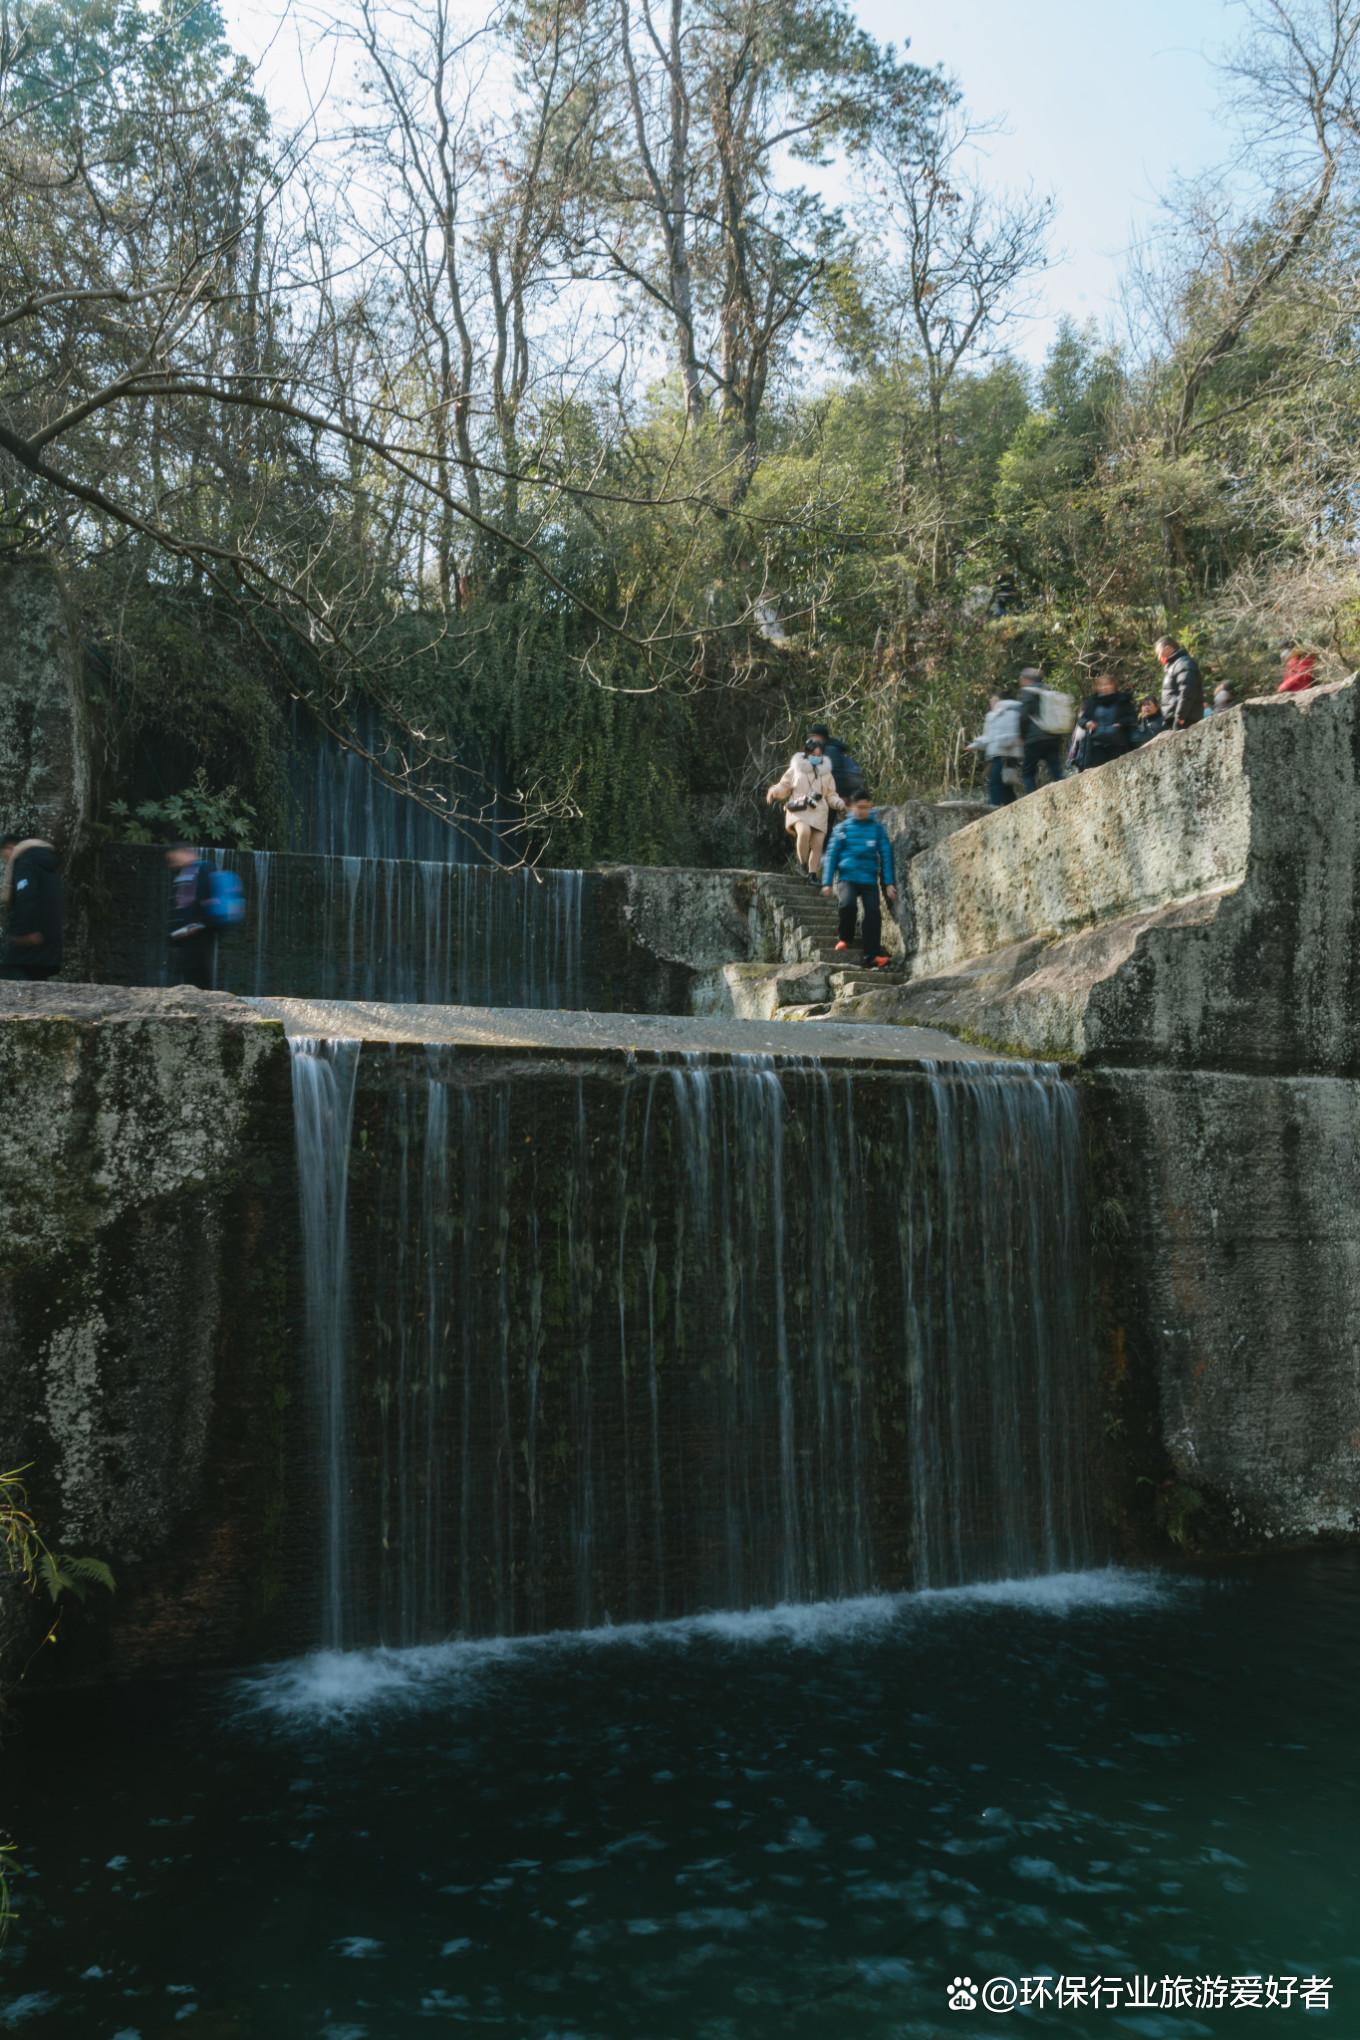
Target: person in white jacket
1003, 747
808, 791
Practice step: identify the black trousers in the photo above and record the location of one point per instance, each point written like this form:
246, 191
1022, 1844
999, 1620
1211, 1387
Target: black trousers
1042, 751
850, 893
193, 960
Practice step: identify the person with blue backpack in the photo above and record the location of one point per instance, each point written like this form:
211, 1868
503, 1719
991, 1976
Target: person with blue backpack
858, 858
204, 899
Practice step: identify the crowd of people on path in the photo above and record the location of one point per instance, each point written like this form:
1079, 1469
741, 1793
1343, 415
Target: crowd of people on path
1032, 728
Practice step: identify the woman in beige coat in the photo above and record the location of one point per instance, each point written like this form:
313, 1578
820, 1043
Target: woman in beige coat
808, 790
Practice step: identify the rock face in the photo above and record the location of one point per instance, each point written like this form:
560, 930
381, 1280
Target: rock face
1233, 1207
1184, 925
44, 724
1194, 903
918, 825
145, 1298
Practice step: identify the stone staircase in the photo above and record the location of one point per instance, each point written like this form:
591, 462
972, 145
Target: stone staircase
803, 916
814, 976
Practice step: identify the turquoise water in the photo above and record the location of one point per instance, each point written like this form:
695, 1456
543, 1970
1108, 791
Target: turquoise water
803, 1823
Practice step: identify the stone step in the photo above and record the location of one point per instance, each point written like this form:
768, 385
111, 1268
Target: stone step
860, 980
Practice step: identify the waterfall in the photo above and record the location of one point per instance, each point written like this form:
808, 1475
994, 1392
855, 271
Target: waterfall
325, 1075
711, 1334
341, 805
429, 933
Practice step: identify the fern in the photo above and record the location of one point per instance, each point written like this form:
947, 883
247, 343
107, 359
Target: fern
30, 1560
91, 1572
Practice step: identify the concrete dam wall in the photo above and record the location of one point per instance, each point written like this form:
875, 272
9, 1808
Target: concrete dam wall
419, 1321
468, 1287
1194, 903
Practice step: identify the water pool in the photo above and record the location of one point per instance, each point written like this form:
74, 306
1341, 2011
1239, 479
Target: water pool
807, 1822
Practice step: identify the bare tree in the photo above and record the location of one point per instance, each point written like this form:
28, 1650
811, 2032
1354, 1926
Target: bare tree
1207, 300
947, 264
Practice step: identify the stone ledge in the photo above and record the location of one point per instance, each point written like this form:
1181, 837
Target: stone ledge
609, 1037
1218, 925
111, 1005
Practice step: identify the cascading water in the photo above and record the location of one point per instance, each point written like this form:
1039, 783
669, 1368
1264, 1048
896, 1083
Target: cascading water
340, 804
325, 1075
705, 1335
428, 933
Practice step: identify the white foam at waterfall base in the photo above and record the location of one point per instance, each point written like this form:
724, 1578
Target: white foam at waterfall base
341, 1686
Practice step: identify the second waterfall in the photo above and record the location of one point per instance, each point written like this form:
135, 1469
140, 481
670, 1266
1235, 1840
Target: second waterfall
636, 1341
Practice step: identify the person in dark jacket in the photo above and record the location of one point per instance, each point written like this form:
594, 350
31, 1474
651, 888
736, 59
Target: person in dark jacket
1149, 723
33, 897
193, 938
1182, 688
845, 770
1042, 747
1107, 717
858, 857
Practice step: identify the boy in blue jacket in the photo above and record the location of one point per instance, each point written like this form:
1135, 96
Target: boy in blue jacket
858, 856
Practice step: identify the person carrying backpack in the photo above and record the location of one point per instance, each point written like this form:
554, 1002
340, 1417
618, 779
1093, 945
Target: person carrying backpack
203, 901
859, 855
33, 900
846, 771
1003, 747
1046, 719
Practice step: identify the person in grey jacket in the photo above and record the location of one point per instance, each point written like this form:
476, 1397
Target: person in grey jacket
858, 857
1182, 688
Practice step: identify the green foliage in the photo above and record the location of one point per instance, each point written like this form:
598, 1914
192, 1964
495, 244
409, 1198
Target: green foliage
183, 682
197, 814
1177, 1507
67, 1575
30, 1560
653, 586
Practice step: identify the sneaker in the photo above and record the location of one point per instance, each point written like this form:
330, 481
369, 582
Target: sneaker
879, 962
841, 947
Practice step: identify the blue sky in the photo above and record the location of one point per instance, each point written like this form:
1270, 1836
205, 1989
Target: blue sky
1103, 102
1103, 99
